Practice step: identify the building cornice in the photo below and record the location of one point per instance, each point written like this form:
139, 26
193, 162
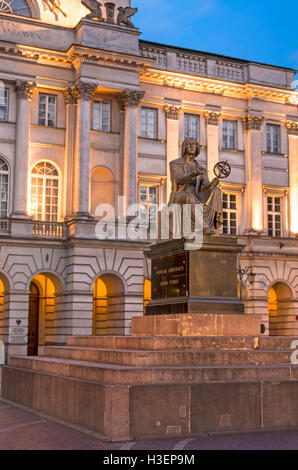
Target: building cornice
217, 86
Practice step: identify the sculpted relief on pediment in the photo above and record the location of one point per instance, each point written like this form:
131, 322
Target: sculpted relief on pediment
68, 13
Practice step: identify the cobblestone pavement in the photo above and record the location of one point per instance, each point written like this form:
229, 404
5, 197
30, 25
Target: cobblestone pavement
21, 430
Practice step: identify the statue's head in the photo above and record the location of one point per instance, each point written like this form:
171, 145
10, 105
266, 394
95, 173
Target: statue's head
190, 146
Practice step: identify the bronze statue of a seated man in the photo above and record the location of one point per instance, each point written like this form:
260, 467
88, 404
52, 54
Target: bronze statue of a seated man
191, 185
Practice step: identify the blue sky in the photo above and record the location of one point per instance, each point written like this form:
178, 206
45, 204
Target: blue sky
263, 31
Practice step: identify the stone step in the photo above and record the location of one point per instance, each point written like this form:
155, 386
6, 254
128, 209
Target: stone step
202, 343
128, 412
128, 375
168, 358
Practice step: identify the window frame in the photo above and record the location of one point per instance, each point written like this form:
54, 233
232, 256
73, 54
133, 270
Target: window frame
46, 111
44, 177
7, 105
235, 124
190, 115
148, 108
281, 213
158, 182
101, 101
2, 172
230, 210
270, 148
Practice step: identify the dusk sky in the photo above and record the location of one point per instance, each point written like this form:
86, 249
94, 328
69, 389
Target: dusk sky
263, 31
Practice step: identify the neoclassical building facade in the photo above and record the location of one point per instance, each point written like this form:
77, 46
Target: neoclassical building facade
90, 112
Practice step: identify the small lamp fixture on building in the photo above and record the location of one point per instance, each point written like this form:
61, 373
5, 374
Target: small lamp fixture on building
250, 277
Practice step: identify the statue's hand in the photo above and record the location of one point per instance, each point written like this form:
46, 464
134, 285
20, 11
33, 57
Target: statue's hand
215, 182
196, 173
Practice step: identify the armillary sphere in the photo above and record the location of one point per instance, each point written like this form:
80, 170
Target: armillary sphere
222, 170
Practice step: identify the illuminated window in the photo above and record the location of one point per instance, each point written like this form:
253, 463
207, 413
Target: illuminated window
4, 179
191, 126
229, 214
274, 216
149, 123
102, 116
17, 7
148, 197
229, 131
3, 105
273, 138
47, 110
45, 192
147, 293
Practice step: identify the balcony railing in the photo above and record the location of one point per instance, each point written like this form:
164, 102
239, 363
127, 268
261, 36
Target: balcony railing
4, 226
54, 230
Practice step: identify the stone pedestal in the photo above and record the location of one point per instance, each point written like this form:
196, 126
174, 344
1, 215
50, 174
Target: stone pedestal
201, 282
196, 325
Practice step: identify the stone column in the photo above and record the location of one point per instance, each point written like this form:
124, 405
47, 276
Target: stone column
212, 119
172, 115
24, 92
292, 127
253, 161
70, 102
130, 100
82, 93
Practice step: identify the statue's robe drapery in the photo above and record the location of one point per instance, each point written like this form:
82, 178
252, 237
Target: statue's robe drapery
195, 191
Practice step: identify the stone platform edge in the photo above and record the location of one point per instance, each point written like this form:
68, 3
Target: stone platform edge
196, 325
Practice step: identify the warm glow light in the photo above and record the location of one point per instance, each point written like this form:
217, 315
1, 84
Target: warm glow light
294, 209
257, 216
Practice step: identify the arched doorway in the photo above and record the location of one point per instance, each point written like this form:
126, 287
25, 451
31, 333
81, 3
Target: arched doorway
108, 306
280, 310
33, 321
41, 320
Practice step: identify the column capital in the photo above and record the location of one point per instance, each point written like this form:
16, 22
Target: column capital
131, 98
84, 91
252, 122
25, 89
172, 111
292, 127
70, 95
212, 118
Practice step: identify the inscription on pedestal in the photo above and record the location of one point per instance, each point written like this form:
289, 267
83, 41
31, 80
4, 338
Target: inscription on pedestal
170, 278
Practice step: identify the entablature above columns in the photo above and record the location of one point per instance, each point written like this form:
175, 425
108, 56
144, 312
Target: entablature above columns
218, 87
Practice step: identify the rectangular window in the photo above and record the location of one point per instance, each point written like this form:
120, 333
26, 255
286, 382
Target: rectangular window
3, 105
47, 110
229, 214
274, 216
191, 126
102, 116
273, 138
229, 131
149, 123
148, 197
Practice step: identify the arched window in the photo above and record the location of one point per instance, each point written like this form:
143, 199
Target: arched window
45, 187
4, 180
17, 7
